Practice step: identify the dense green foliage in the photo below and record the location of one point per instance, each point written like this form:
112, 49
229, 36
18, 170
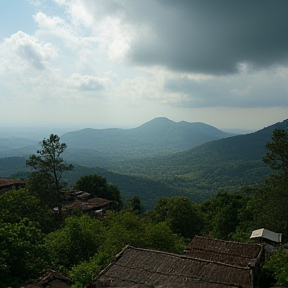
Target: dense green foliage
181, 214
97, 186
221, 214
42, 185
31, 239
277, 265
22, 254
84, 245
150, 191
277, 155
20, 204
134, 204
77, 241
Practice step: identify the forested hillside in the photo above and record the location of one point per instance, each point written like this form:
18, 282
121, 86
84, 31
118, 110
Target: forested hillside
199, 173
12, 165
157, 137
10, 147
223, 164
98, 147
149, 190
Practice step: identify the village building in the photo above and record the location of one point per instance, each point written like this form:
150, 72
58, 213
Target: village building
238, 254
136, 267
7, 184
51, 279
229, 252
82, 202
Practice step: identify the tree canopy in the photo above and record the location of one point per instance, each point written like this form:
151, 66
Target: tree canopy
181, 214
277, 154
49, 160
98, 187
20, 204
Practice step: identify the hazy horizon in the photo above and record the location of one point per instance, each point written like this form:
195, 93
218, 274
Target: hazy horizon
37, 132
121, 63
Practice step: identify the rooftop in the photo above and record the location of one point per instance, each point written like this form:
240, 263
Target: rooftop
94, 203
135, 267
228, 252
4, 182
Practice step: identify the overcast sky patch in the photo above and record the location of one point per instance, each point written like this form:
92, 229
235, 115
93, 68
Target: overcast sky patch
127, 61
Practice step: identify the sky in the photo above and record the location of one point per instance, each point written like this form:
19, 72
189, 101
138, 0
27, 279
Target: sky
121, 63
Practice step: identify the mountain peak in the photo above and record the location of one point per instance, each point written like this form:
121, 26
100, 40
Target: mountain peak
156, 122
160, 120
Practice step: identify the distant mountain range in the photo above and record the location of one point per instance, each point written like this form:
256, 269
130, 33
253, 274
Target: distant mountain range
228, 163
159, 136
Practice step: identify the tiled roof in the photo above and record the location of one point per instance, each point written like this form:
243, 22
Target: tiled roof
4, 182
90, 204
135, 267
51, 279
229, 252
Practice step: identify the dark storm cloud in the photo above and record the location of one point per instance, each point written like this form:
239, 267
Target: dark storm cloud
230, 91
209, 36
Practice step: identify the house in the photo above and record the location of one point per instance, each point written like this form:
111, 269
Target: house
137, 267
51, 279
91, 206
71, 195
238, 254
229, 252
7, 184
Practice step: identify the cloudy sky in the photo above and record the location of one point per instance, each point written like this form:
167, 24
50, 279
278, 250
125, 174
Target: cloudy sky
121, 63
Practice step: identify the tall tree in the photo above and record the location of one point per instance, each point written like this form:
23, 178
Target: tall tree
277, 155
49, 159
134, 205
221, 214
181, 214
42, 186
271, 204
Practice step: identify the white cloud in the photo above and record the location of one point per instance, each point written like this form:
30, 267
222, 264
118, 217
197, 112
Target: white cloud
62, 30
24, 52
89, 83
105, 23
148, 48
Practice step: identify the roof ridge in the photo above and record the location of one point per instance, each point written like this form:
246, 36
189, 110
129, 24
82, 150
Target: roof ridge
229, 241
176, 255
225, 253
